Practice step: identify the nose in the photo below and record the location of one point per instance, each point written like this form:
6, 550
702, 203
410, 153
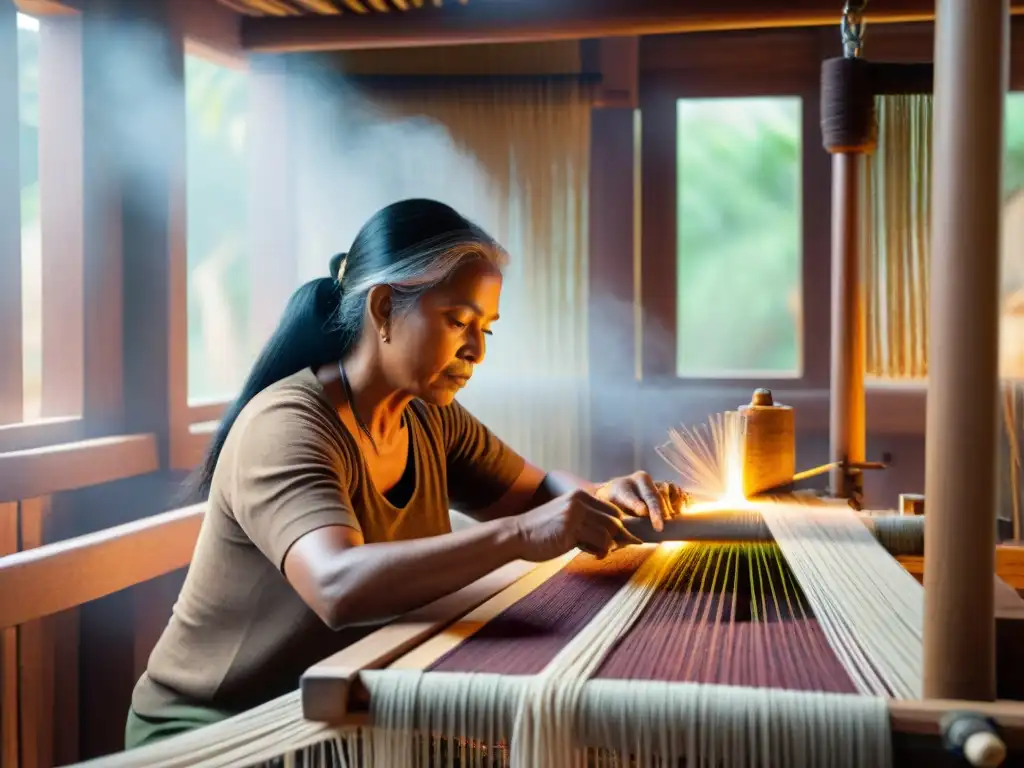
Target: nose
475, 348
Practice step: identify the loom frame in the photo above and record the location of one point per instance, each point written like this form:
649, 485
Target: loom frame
333, 693
969, 79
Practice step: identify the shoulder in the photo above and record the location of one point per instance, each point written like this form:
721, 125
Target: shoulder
292, 412
446, 423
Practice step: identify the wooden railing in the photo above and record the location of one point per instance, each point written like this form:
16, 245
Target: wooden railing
54, 577
42, 578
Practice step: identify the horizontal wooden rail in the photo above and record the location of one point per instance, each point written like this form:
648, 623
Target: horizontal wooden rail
49, 579
1009, 564
493, 21
39, 472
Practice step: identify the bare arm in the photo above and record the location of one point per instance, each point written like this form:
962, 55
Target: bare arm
533, 488
346, 581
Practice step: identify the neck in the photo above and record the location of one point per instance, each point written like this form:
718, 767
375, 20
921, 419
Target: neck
375, 402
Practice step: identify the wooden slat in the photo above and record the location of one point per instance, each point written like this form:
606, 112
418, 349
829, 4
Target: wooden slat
36, 655
58, 576
11, 383
37, 434
103, 256
490, 21
48, 7
45, 471
327, 686
8, 650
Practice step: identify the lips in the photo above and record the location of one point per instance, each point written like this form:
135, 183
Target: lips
458, 378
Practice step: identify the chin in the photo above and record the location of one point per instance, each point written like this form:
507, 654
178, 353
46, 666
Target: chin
440, 397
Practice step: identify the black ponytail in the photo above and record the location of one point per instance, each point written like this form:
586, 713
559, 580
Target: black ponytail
307, 336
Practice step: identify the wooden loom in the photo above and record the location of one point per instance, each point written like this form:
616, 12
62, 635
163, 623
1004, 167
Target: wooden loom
960, 668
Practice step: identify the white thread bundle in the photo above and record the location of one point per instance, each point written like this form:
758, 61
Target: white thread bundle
870, 607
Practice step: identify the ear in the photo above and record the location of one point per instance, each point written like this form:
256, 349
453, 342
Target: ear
378, 306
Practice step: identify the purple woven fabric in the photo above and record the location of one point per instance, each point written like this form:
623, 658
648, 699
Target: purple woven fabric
526, 636
712, 630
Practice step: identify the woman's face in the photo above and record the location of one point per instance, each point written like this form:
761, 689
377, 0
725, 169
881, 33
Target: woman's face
435, 346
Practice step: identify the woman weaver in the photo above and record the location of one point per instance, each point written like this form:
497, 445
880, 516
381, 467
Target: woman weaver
330, 480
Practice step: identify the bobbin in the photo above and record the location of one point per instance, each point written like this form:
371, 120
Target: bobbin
768, 445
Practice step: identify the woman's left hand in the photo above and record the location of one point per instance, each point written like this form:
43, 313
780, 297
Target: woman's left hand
638, 495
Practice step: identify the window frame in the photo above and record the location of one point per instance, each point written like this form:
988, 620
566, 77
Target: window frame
70, 384
783, 64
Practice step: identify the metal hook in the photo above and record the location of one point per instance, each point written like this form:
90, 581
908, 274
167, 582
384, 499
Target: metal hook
852, 28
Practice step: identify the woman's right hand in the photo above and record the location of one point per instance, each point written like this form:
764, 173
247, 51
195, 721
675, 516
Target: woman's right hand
576, 519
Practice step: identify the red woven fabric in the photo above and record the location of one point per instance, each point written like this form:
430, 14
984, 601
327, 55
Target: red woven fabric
720, 631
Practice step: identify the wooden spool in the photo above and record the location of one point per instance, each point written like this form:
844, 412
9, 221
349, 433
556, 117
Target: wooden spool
769, 444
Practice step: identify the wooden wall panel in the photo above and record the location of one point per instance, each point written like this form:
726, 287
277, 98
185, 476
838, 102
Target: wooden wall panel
9, 735
103, 388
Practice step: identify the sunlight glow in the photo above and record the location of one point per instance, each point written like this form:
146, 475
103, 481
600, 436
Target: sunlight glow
709, 458
29, 23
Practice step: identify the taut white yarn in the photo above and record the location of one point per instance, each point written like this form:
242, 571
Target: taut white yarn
869, 606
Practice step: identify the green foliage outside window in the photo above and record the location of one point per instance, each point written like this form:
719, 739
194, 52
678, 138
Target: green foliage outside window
739, 237
216, 100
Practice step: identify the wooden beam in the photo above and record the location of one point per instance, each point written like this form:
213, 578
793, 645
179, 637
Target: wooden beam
971, 69
491, 21
48, 7
327, 685
45, 471
55, 577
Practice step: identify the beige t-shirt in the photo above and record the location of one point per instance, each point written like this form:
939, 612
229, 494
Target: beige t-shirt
239, 634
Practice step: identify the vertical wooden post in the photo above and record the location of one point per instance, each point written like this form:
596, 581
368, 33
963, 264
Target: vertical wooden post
971, 44
848, 133
847, 424
612, 285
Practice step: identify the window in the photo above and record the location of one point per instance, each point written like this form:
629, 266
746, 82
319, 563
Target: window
31, 239
739, 237
219, 353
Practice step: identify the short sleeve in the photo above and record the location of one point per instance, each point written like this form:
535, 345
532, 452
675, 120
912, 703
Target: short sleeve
481, 467
289, 477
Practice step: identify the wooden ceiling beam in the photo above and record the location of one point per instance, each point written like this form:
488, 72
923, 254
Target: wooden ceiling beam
47, 7
520, 21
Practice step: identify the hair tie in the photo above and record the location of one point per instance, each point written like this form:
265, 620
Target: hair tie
338, 264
